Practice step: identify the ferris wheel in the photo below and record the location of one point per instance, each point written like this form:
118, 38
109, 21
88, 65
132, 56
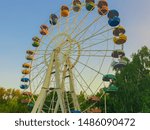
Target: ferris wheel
72, 59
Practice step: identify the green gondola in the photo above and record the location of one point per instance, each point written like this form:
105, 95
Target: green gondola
111, 88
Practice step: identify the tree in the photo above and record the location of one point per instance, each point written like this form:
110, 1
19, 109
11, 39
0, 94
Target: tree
134, 85
10, 101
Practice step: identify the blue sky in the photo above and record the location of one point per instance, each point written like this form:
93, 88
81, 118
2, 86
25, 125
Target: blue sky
20, 21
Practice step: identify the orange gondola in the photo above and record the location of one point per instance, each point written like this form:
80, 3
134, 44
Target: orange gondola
95, 110
26, 72
103, 11
27, 93
94, 98
64, 11
26, 65
44, 29
102, 7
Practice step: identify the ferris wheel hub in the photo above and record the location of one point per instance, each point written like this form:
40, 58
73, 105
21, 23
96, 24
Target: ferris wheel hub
63, 49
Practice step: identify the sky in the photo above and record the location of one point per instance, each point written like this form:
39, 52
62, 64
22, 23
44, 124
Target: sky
20, 21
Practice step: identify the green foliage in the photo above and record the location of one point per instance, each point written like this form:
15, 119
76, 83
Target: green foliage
10, 101
134, 85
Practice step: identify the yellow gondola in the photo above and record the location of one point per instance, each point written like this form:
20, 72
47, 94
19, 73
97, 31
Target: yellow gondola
30, 52
65, 11
26, 65
119, 30
26, 72
76, 5
30, 57
121, 39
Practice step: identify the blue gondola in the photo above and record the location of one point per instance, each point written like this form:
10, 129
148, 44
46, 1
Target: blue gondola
75, 111
112, 14
114, 22
53, 19
24, 86
119, 65
25, 80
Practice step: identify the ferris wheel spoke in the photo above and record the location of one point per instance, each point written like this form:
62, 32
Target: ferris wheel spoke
95, 56
96, 77
51, 107
48, 44
58, 24
44, 53
37, 65
87, 66
99, 88
81, 22
68, 104
75, 20
38, 58
111, 61
97, 43
66, 25
81, 86
41, 71
46, 107
43, 50
90, 53
51, 29
91, 50
94, 35
89, 107
100, 65
34, 67
87, 28
38, 85
88, 87
43, 43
